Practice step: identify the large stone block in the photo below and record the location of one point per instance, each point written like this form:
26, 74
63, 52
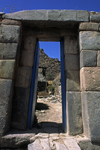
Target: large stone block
7, 69
9, 33
5, 105
90, 79
23, 77
95, 18
98, 59
91, 115
74, 113
11, 22
82, 15
88, 26
70, 45
89, 40
20, 108
8, 50
71, 62
72, 80
27, 58
29, 43
88, 58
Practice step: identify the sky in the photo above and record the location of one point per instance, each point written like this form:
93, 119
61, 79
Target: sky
52, 48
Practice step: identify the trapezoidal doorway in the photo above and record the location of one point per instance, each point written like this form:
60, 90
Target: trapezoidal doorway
46, 115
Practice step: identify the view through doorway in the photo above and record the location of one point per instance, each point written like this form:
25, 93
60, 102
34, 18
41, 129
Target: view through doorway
49, 101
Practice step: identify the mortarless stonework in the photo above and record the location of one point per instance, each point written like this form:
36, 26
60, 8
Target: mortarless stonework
81, 33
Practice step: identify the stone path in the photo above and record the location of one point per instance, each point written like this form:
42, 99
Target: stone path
44, 141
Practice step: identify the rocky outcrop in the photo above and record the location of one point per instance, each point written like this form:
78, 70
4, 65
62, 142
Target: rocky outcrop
52, 65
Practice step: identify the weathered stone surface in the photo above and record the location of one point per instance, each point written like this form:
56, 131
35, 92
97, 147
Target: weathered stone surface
23, 77
98, 59
90, 80
5, 105
88, 58
52, 15
15, 140
88, 26
60, 146
82, 15
70, 45
59, 15
95, 18
29, 43
9, 33
91, 113
35, 145
11, 22
7, 68
89, 40
27, 58
45, 144
72, 80
71, 144
8, 50
85, 144
71, 62
20, 108
74, 113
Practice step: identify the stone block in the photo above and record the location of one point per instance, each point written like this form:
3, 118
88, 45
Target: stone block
20, 108
91, 115
11, 22
89, 79
7, 69
62, 15
28, 15
95, 18
82, 15
5, 105
74, 113
72, 80
71, 62
88, 26
23, 77
88, 58
70, 45
27, 58
9, 33
29, 43
8, 50
89, 40
98, 59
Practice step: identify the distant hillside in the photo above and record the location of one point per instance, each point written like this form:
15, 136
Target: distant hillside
52, 65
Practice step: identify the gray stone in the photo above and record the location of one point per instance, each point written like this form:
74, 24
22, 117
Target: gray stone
70, 45
20, 108
72, 80
7, 69
29, 43
5, 105
45, 144
98, 59
85, 144
28, 15
90, 115
35, 145
89, 40
71, 144
15, 140
95, 18
11, 22
89, 79
74, 113
9, 33
62, 15
82, 15
60, 146
88, 26
23, 77
2, 13
71, 62
88, 58
8, 50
